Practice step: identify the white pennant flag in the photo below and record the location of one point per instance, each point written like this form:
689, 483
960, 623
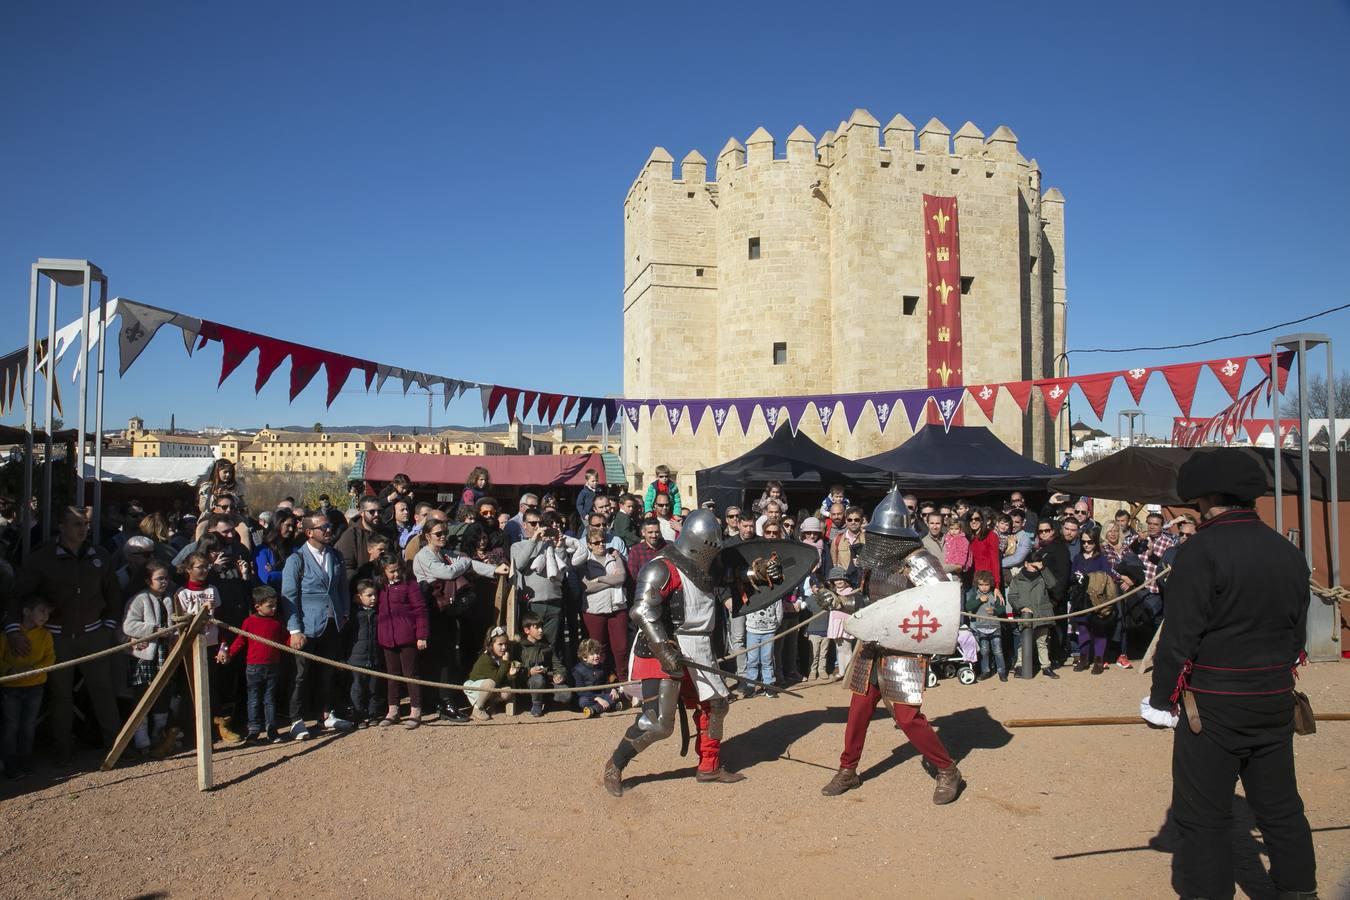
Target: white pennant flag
382, 373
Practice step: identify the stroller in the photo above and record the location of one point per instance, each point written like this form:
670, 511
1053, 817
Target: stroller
959, 665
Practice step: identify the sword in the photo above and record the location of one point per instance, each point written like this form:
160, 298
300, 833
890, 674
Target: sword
713, 670
1124, 720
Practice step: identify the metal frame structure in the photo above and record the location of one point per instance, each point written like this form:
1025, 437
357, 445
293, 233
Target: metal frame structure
83, 274
1130, 415
1323, 618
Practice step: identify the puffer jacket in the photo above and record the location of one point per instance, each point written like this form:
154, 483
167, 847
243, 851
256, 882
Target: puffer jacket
1033, 591
607, 576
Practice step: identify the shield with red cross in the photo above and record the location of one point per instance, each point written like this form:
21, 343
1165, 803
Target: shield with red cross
923, 619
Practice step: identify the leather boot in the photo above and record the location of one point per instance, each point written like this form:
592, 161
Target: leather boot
1080, 664
227, 734
843, 780
613, 779
948, 785
719, 775
164, 745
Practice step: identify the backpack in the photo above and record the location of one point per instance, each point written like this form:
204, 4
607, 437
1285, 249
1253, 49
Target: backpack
453, 597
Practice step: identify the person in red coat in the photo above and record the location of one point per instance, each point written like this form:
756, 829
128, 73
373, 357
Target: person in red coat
986, 549
401, 630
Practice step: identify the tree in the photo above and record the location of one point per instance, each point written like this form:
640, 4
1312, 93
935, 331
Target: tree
318, 428
1317, 397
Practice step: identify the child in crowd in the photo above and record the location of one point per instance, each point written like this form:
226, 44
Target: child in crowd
194, 596
843, 644
541, 666
760, 628
816, 632
956, 546
262, 664
149, 611
590, 671
663, 484
983, 600
402, 627
21, 700
494, 669
1029, 592
836, 495
363, 650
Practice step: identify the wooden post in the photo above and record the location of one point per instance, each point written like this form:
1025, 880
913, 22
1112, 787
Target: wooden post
162, 679
511, 626
202, 706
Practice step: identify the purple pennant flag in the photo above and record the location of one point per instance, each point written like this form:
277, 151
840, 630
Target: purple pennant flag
825, 410
885, 407
948, 402
771, 413
853, 407
673, 413
611, 413
796, 407
915, 403
634, 413
583, 407
719, 412
697, 410
745, 410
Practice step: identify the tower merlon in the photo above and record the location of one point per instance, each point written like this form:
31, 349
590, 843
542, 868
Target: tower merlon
1002, 145
693, 168
864, 129
826, 147
760, 146
1053, 196
731, 157
899, 133
935, 138
968, 141
660, 164
801, 145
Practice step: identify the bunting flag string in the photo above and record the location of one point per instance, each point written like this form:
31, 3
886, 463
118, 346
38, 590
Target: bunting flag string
140, 322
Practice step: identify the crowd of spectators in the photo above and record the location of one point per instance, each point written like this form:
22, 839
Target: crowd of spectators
403, 585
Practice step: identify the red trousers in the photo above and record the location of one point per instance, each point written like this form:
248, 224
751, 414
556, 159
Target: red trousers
612, 631
709, 749
911, 721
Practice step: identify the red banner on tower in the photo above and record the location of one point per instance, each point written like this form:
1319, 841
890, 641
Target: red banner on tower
942, 248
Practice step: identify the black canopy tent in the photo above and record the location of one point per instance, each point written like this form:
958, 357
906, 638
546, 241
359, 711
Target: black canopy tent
797, 461
1149, 475
965, 459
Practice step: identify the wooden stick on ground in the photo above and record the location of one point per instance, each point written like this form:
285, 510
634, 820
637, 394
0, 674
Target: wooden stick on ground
1124, 720
202, 675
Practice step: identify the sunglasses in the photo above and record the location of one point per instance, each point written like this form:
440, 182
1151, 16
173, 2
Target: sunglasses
976, 519
324, 527
531, 521
733, 515
596, 543
437, 533
1045, 531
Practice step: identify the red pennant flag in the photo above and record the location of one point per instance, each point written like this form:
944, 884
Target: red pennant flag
369, 368
512, 397
305, 362
1254, 427
338, 368
238, 345
1286, 360
1054, 391
529, 403
1097, 389
271, 353
494, 400
1181, 379
548, 407
1229, 372
985, 397
1136, 380
568, 405
1020, 391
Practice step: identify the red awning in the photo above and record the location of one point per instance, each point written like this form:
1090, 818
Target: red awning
430, 468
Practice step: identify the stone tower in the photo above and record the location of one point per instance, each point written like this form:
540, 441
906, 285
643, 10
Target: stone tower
802, 271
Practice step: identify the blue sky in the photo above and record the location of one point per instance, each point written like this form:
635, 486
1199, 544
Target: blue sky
441, 186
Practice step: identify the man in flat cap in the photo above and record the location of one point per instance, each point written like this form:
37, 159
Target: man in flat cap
1237, 604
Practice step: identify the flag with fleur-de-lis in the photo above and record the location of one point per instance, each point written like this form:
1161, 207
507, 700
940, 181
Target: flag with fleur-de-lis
942, 259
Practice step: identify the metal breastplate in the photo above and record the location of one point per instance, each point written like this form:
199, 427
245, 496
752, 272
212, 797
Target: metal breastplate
902, 678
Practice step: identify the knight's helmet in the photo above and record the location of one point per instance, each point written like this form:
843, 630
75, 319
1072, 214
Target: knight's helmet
890, 535
700, 539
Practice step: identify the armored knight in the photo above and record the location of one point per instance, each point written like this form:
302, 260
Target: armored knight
675, 609
891, 561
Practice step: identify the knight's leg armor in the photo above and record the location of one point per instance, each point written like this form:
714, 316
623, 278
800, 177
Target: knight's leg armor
660, 699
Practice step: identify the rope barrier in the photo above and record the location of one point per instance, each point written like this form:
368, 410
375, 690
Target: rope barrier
1081, 612
1336, 594
107, 651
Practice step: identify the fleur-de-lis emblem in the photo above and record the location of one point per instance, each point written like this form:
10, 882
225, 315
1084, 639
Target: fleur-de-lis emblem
941, 218
1230, 368
134, 332
986, 392
1057, 392
884, 412
1136, 374
944, 289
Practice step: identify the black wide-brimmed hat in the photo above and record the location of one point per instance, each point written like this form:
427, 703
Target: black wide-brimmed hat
1222, 470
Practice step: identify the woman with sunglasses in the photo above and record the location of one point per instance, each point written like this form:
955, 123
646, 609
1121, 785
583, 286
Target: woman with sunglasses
1090, 559
986, 548
603, 575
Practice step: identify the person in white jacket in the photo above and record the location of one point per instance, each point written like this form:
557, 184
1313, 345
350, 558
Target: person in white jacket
603, 575
149, 611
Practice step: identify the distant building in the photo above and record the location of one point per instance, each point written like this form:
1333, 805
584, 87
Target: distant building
301, 451
160, 445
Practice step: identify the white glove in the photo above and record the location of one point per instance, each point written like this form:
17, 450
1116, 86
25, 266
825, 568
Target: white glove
1157, 717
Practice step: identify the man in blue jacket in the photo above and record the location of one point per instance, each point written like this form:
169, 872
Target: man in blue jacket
315, 604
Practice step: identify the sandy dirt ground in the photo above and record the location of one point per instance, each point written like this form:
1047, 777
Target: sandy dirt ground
515, 808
